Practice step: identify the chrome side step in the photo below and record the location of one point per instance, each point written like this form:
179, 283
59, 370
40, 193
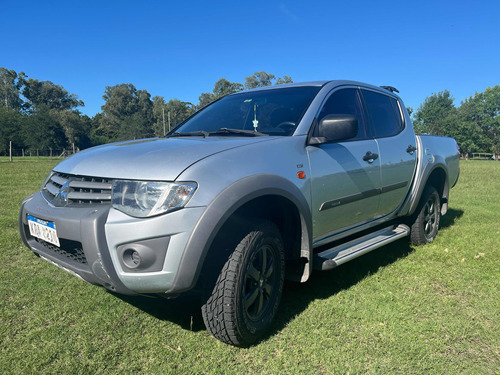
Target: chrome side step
331, 258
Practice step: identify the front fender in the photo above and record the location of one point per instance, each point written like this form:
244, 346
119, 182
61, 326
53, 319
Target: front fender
222, 207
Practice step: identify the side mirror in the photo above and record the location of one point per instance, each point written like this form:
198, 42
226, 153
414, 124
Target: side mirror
333, 128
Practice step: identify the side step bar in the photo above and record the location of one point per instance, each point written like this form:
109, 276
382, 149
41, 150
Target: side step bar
331, 258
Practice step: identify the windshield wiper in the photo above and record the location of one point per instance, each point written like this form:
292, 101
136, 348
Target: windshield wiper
221, 131
203, 133
248, 133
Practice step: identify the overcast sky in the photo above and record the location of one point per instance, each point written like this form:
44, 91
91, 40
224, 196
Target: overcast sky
180, 49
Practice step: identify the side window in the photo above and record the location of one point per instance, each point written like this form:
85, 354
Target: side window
345, 102
384, 113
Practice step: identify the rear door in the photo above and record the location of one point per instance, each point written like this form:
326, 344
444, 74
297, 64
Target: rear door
396, 143
345, 187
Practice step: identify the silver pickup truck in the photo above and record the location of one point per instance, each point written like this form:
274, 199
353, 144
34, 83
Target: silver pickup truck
258, 187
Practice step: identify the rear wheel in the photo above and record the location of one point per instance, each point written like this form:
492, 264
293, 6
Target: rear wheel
426, 224
248, 290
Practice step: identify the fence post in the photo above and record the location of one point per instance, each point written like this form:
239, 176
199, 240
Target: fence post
10, 150
23, 152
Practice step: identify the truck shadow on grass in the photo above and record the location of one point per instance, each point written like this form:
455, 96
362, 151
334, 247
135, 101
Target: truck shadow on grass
184, 311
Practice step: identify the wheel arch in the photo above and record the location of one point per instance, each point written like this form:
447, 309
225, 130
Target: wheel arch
436, 176
262, 196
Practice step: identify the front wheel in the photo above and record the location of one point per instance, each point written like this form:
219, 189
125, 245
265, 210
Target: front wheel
248, 290
426, 224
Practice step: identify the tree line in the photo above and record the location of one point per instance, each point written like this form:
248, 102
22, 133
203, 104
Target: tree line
37, 115
475, 124
42, 115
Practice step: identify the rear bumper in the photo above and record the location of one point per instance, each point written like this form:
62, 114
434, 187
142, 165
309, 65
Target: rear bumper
94, 241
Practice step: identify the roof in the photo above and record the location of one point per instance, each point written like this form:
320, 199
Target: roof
322, 83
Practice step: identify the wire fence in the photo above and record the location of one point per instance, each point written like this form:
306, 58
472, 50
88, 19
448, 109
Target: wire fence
56, 153
480, 156
62, 153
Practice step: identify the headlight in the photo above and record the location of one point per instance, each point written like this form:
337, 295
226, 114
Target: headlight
150, 198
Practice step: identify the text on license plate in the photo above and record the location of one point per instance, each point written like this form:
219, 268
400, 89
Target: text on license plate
43, 229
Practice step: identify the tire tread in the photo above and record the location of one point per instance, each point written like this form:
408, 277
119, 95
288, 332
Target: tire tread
219, 312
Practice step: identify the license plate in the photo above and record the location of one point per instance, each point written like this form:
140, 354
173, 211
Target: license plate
43, 229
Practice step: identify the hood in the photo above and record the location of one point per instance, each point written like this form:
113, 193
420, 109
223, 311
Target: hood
149, 159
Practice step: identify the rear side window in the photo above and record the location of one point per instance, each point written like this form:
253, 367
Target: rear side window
384, 113
345, 102
397, 112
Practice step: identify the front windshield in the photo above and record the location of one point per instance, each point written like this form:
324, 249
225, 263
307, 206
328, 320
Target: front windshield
273, 112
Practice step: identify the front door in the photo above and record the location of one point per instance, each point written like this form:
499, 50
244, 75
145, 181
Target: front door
345, 188
345, 184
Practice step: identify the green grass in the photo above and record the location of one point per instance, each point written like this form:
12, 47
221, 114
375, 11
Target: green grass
400, 309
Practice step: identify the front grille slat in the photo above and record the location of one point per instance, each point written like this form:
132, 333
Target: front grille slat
90, 185
72, 190
53, 189
58, 179
89, 196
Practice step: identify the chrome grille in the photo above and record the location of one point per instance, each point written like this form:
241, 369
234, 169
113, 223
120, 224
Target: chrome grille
64, 190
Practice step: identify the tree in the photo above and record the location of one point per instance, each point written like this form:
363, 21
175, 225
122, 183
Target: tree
160, 125
76, 128
167, 115
47, 94
178, 110
10, 85
11, 123
490, 107
259, 79
263, 79
205, 99
127, 113
283, 80
222, 88
480, 121
436, 115
43, 131
96, 136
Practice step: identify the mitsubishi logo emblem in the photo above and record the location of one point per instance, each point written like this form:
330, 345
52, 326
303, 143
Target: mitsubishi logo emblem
62, 194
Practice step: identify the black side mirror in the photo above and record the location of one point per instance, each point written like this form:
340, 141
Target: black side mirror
333, 128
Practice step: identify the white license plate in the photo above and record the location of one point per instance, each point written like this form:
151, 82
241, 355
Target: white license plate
43, 229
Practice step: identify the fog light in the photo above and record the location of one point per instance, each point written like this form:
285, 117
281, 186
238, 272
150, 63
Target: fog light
143, 256
131, 258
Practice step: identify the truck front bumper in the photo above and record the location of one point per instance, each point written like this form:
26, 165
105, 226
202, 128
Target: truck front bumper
105, 247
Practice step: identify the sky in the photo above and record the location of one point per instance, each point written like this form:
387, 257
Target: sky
180, 49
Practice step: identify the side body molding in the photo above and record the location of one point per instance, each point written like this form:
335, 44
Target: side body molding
223, 206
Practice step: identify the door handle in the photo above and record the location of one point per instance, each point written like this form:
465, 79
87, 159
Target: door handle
411, 149
370, 157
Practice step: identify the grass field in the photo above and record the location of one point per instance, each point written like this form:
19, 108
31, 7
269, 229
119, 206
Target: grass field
400, 309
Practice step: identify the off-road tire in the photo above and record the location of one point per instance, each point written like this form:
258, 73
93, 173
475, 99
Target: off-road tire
427, 217
247, 293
